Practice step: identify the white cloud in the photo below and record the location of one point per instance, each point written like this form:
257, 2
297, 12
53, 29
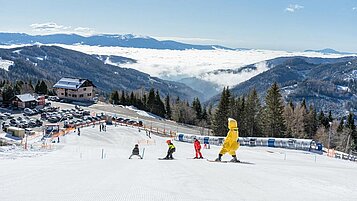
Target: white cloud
52, 27
293, 7
48, 26
354, 8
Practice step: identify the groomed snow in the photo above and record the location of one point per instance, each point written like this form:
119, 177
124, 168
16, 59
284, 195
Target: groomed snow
142, 112
75, 171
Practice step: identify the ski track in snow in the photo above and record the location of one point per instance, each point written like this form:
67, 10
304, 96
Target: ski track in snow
74, 171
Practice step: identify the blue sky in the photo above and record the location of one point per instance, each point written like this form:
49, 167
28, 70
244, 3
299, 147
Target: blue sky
273, 24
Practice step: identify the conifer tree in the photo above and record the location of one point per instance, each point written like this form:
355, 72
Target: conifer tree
168, 107
159, 107
151, 100
132, 99
196, 105
252, 114
43, 88
114, 98
220, 118
122, 98
350, 125
274, 123
37, 87
7, 93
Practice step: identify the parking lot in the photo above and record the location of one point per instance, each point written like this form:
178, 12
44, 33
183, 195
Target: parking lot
64, 117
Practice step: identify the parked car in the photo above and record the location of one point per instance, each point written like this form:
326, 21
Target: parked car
53, 119
3, 117
86, 112
5, 126
29, 112
53, 98
9, 115
39, 122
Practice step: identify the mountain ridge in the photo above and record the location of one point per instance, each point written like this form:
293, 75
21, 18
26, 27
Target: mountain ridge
125, 40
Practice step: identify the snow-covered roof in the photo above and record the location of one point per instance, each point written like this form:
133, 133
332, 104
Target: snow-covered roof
69, 83
26, 97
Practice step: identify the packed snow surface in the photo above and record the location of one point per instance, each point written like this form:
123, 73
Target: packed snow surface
75, 170
142, 112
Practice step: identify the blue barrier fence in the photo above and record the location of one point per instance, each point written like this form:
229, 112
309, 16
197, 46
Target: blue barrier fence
288, 143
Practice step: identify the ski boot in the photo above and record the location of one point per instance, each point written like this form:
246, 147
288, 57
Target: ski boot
234, 159
201, 157
195, 157
219, 157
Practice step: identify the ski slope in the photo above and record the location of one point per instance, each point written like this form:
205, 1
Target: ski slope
75, 171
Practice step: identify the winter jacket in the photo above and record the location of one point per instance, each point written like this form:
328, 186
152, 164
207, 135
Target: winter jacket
197, 144
231, 144
171, 148
136, 151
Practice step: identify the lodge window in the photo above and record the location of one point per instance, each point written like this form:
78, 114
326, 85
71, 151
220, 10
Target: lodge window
81, 95
73, 95
89, 94
84, 89
62, 94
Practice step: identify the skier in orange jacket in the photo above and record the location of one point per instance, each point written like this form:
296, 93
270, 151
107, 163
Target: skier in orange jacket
230, 144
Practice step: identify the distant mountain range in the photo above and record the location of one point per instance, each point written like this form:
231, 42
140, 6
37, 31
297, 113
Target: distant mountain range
329, 51
52, 63
327, 83
127, 40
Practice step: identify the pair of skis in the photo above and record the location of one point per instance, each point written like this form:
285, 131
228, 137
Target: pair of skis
241, 162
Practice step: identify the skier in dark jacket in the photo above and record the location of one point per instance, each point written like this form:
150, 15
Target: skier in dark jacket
171, 150
135, 152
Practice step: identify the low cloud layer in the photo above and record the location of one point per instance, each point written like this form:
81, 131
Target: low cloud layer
177, 64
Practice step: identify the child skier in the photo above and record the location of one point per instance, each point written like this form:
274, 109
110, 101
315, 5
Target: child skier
197, 146
230, 144
170, 151
135, 152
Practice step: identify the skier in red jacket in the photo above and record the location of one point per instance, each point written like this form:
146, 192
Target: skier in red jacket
197, 146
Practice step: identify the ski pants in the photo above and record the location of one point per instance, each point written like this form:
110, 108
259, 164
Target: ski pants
198, 152
169, 153
231, 151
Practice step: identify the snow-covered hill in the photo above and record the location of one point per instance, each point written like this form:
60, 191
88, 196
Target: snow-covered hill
75, 171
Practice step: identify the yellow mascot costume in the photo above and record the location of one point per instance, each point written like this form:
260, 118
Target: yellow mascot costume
230, 144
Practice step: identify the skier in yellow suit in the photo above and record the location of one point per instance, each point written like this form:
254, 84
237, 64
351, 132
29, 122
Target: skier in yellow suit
230, 144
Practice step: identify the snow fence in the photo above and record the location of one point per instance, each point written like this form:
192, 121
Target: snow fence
287, 143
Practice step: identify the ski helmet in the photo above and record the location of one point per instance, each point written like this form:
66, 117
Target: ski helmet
168, 141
